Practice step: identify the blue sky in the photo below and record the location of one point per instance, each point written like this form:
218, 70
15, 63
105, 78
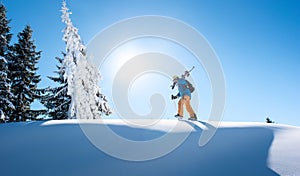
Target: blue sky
258, 44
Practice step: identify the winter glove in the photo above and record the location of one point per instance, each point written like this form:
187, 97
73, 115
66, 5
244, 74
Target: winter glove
174, 97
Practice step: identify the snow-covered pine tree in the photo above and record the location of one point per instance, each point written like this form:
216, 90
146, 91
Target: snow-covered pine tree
82, 77
74, 49
23, 76
6, 96
55, 99
90, 102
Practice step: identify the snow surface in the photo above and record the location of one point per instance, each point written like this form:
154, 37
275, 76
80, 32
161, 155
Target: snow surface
61, 148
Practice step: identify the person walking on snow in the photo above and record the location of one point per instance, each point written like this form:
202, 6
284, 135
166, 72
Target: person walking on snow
185, 90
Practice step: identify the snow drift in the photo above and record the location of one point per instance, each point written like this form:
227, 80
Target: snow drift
61, 148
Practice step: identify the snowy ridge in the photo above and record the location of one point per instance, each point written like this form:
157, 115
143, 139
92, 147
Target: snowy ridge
148, 124
238, 148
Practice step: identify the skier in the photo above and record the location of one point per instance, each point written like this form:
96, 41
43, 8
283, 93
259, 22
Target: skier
185, 89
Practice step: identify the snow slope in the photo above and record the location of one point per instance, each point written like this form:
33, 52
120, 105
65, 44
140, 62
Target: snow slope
61, 148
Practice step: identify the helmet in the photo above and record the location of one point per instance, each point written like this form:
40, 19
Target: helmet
175, 77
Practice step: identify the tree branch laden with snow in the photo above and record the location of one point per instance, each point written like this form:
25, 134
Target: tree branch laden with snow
82, 77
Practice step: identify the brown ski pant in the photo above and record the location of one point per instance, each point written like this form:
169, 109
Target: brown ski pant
185, 100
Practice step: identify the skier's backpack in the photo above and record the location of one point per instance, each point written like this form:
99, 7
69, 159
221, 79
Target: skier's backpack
190, 86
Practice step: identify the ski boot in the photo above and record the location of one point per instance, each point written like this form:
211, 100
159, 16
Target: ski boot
179, 117
194, 118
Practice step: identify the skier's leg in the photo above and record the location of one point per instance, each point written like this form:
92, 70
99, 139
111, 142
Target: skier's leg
180, 107
189, 107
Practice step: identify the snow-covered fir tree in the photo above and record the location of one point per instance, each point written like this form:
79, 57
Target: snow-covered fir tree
6, 96
74, 49
6, 106
23, 75
90, 102
55, 99
82, 78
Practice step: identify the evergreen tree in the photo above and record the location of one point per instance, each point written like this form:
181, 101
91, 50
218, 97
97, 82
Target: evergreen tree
56, 99
90, 102
24, 79
6, 96
74, 49
82, 78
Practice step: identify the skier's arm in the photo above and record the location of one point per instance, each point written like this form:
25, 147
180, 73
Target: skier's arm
173, 85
